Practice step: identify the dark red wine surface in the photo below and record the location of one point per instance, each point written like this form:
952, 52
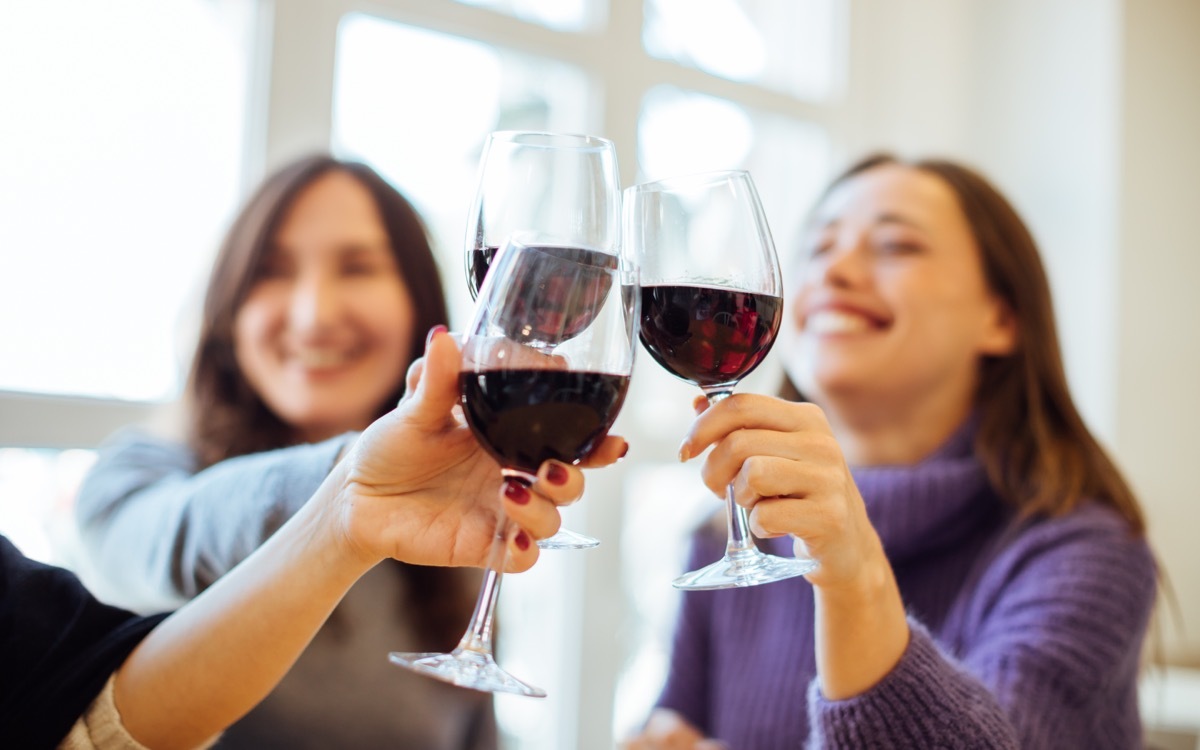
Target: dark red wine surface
706, 335
524, 417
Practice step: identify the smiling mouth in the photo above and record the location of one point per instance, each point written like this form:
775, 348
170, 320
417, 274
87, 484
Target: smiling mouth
323, 359
837, 321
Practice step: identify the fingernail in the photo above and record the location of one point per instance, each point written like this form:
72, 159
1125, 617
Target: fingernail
516, 492
685, 451
522, 540
557, 475
624, 452
433, 332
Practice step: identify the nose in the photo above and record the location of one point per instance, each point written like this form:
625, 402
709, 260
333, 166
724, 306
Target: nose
846, 264
314, 303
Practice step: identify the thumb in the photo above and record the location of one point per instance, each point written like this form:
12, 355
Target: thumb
436, 392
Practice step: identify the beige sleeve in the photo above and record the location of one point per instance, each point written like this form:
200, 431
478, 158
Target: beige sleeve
100, 727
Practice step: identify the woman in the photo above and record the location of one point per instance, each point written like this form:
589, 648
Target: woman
315, 307
984, 579
414, 487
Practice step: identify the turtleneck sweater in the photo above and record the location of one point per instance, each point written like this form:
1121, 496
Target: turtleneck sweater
1026, 633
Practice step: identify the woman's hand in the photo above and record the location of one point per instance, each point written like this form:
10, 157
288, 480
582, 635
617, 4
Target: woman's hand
787, 469
667, 730
417, 486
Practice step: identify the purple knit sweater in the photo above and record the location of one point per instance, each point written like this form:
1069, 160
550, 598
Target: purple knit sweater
1024, 635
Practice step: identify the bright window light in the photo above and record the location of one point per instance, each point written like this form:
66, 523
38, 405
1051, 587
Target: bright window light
121, 142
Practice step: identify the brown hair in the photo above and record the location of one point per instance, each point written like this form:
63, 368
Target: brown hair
1038, 452
227, 418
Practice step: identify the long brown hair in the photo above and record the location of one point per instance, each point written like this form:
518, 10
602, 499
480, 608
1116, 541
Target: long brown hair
1038, 451
227, 418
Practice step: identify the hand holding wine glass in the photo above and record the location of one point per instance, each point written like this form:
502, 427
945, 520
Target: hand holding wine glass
543, 378
712, 301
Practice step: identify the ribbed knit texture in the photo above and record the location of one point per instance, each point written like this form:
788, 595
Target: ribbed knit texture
1024, 635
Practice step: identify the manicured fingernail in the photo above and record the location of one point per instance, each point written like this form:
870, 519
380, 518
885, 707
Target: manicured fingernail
516, 492
685, 451
557, 475
624, 452
522, 540
433, 332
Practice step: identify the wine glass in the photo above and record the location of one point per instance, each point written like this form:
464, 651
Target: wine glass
712, 301
562, 186
546, 367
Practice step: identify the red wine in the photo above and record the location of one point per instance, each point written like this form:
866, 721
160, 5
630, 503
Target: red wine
524, 417
556, 291
479, 259
705, 335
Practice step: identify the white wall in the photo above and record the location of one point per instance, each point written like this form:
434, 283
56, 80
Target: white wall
1087, 114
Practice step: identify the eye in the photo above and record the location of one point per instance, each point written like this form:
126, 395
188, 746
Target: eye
897, 248
365, 263
275, 266
821, 245
359, 267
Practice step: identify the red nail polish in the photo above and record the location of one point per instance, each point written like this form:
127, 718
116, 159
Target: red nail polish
624, 451
557, 475
433, 332
522, 540
516, 492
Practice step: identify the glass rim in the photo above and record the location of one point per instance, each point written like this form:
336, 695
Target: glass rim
694, 180
549, 139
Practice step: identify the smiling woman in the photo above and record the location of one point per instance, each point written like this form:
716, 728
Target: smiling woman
984, 578
326, 330
318, 302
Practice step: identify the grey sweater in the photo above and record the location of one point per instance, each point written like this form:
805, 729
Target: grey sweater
157, 533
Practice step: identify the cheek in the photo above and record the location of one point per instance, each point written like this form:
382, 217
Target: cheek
391, 317
252, 326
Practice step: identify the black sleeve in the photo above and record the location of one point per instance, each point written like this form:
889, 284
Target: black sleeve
58, 646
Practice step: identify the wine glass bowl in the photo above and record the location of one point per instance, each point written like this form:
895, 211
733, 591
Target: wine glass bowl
711, 306
542, 377
565, 186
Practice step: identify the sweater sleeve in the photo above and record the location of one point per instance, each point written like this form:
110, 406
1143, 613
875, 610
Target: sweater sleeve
1055, 638
157, 533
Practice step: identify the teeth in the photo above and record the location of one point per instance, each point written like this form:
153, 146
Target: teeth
321, 358
834, 321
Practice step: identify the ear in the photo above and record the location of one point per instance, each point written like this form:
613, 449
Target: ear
999, 336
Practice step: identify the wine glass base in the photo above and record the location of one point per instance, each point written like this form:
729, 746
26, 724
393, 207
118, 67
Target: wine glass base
567, 539
744, 568
465, 668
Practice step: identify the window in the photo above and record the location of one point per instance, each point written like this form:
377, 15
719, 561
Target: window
122, 150
122, 146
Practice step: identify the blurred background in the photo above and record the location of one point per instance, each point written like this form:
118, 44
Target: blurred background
131, 130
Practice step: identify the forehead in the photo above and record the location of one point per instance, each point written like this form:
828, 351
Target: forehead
332, 204
893, 189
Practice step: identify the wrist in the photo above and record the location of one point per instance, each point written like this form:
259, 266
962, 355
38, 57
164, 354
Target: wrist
326, 522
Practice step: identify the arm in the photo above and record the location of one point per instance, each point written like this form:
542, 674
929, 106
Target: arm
215, 658
158, 533
1061, 632
1053, 662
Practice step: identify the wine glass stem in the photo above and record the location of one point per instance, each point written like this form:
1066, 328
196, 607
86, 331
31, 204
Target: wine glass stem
738, 520
478, 637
